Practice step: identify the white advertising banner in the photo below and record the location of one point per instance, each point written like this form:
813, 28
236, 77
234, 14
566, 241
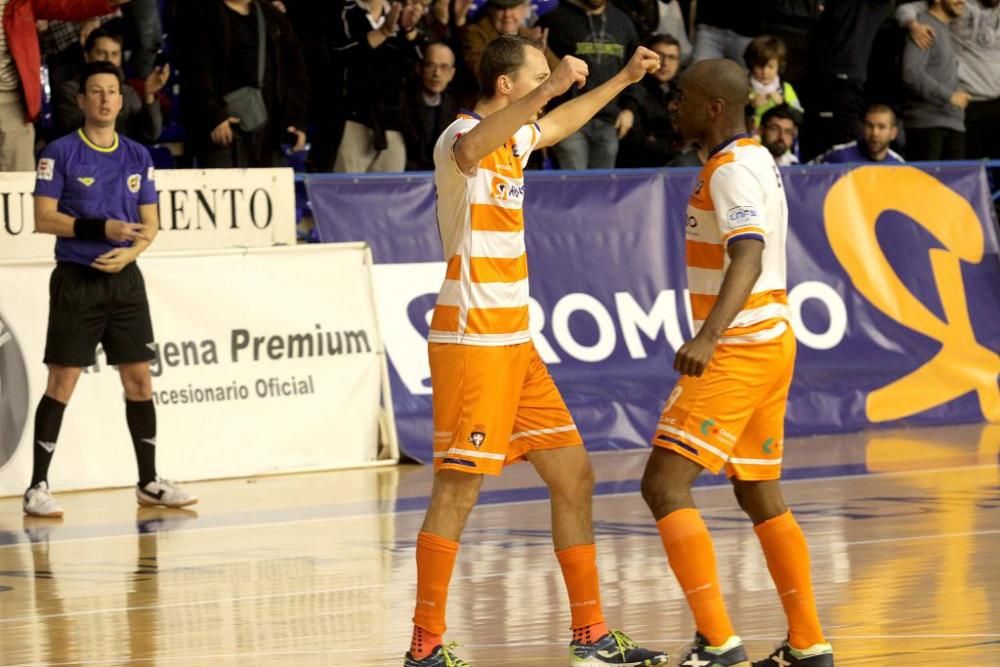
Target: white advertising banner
267, 360
199, 210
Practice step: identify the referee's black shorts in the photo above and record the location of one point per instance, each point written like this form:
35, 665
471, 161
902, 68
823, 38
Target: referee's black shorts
87, 307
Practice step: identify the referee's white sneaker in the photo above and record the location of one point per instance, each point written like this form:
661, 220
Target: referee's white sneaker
39, 501
163, 493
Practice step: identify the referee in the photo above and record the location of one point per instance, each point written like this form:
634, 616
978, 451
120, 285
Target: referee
94, 190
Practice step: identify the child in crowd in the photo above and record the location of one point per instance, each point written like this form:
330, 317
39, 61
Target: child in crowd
766, 57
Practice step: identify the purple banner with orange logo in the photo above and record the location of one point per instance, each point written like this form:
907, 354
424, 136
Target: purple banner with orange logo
894, 285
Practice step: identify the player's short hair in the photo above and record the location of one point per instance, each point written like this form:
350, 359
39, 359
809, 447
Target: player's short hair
99, 33
784, 112
882, 108
660, 38
100, 67
503, 57
763, 50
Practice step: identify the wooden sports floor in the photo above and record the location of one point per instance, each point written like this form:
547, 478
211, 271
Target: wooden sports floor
318, 569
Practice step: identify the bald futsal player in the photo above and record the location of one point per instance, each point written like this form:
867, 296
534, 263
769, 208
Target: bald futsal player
494, 401
728, 408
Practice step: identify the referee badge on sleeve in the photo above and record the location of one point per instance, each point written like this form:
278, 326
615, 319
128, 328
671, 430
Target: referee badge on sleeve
134, 182
46, 169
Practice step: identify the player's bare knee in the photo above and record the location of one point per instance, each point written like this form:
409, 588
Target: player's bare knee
138, 390
574, 486
664, 496
667, 481
137, 382
662, 499
650, 487
761, 501
62, 381
459, 490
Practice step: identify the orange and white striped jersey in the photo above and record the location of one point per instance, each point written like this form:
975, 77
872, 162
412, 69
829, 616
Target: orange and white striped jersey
484, 298
739, 196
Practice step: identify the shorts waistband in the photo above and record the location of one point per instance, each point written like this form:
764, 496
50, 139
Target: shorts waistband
90, 272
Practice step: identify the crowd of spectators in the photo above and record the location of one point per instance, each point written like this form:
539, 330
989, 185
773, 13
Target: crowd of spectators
368, 85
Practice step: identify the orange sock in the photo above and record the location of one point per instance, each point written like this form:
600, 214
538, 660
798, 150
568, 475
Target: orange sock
589, 634
692, 558
788, 560
423, 642
579, 568
435, 562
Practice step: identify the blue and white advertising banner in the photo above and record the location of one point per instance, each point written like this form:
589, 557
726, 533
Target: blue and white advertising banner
894, 284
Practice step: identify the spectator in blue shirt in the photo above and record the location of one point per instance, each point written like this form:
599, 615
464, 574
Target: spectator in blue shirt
880, 130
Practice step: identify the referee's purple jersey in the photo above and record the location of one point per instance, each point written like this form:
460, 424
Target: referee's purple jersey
94, 182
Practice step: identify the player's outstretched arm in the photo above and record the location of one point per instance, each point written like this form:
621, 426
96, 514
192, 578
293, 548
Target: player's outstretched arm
744, 269
497, 127
567, 118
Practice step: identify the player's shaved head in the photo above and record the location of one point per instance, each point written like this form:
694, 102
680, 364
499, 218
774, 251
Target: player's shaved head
721, 79
712, 96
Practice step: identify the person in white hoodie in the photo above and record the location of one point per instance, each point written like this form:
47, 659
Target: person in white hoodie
975, 36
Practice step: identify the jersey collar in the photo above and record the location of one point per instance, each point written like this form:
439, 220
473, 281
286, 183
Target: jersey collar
742, 135
100, 149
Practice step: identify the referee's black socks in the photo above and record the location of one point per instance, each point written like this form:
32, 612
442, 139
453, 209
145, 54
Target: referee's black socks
141, 418
48, 421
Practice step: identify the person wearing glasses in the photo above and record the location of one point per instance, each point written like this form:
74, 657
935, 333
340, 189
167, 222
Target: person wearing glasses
652, 141
430, 106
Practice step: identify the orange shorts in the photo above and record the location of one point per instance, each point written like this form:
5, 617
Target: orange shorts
734, 414
494, 405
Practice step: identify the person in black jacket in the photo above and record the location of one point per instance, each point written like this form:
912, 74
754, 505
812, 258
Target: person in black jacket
840, 48
430, 107
380, 44
724, 28
602, 36
217, 54
645, 14
314, 25
652, 142
140, 119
